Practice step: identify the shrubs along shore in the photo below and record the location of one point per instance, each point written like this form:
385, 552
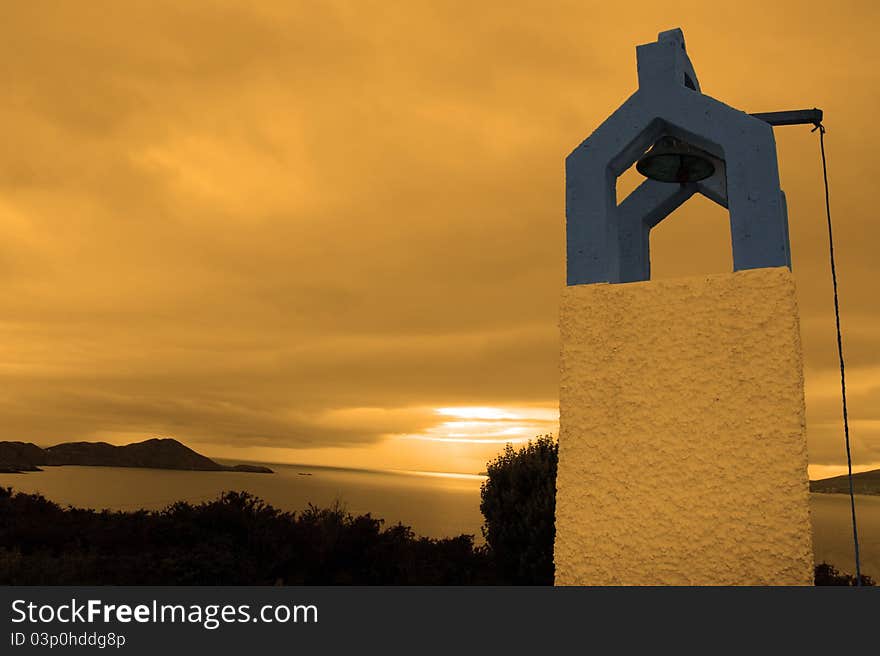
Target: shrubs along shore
236, 539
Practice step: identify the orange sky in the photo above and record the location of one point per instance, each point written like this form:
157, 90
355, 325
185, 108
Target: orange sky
296, 230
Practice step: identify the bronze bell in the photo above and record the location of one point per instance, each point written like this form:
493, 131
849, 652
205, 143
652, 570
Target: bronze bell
673, 160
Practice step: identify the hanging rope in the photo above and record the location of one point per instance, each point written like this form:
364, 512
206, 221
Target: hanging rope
852, 498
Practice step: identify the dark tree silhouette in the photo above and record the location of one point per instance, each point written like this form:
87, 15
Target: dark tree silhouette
518, 502
828, 574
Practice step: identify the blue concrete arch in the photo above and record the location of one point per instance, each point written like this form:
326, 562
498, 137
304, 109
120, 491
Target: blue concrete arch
607, 242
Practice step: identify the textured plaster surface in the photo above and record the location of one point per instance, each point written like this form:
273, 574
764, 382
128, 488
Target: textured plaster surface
682, 446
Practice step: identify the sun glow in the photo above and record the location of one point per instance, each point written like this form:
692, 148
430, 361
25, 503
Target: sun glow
490, 425
476, 413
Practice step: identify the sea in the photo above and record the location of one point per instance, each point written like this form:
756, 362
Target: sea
434, 504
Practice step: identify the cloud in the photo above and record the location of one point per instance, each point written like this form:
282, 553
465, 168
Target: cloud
304, 224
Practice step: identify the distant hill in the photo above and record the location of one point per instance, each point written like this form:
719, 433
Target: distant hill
20, 456
863, 483
155, 453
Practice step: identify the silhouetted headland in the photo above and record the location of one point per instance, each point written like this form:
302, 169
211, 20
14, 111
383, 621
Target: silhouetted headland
17, 457
863, 483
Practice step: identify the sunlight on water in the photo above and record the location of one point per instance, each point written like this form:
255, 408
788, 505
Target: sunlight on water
467, 477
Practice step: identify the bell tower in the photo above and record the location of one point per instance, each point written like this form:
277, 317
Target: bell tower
682, 446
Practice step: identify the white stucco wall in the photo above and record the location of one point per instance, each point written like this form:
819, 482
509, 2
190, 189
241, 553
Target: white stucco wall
682, 446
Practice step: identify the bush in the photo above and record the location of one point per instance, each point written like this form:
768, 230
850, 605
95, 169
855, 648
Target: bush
828, 574
518, 502
236, 539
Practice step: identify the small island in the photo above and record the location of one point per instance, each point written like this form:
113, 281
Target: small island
157, 453
867, 482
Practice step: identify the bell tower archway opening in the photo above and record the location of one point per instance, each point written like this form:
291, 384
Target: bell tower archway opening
692, 241
627, 182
